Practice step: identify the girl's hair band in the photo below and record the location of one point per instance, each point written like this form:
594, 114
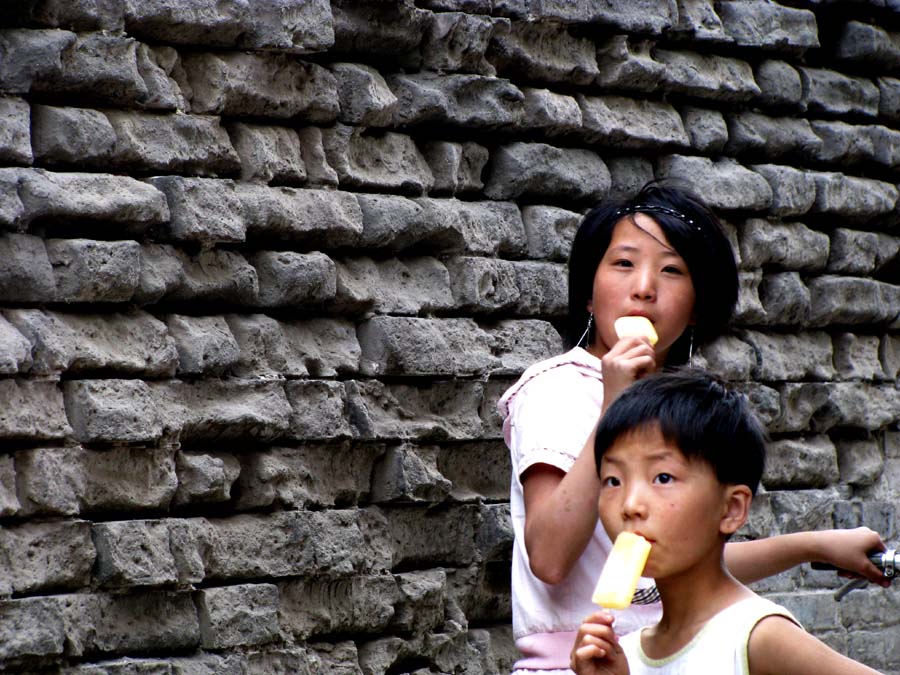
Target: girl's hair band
653, 208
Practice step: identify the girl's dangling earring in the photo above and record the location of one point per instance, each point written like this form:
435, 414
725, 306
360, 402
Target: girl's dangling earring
587, 332
691, 349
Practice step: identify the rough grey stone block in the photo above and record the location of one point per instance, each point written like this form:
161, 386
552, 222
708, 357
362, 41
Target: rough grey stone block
78, 197
72, 136
544, 51
786, 299
749, 307
316, 217
791, 246
157, 65
268, 154
210, 275
66, 481
47, 556
542, 288
458, 41
457, 526
798, 404
280, 25
405, 473
318, 171
133, 553
768, 25
107, 411
470, 101
889, 352
313, 475
152, 621
861, 461
639, 16
540, 170
440, 410
38, 57
860, 404
260, 85
706, 129
762, 136
289, 279
79, 15
483, 284
205, 478
843, 143
389, 161
204, 210
223, 410
856, 357
631, 123
803, 356
15, 349
359, 605
387, 30
851, 300
779, 83
15, 130
885, 144
628, 175
34, 410
94, 271
725, 184
320, 348
262, 348
365, 98
712, 77
456, 167
204, 344
852, 197
550, 231
869, 45
31, 627
404, 286
477, 470
698, 19
833, 93
793, 191
420, 347
889, 97
318, 410
551, 113
627, 63
421, 605
727, 356
233, 616
134, 343
9, 500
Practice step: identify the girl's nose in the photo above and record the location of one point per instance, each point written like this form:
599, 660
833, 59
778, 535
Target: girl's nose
644, 285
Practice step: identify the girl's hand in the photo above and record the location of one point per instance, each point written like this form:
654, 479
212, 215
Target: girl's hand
596, 650
848, 551
629, 359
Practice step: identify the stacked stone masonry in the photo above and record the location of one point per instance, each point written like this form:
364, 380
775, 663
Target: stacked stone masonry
266, 267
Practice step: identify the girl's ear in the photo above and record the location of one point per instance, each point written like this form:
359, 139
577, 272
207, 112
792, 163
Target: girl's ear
736, 508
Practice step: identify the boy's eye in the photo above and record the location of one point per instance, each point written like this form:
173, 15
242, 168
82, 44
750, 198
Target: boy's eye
664, 478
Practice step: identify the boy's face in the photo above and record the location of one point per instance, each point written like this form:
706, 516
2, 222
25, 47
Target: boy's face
650, 488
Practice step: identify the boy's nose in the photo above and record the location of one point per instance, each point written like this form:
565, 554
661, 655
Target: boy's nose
634, 505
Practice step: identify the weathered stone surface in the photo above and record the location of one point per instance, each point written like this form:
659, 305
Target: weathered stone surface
205, 478
790, 246
67, 136
889, 353
627, 63
725, 184
279, 25
483, 285
856, 357
15, 131
631, 123
94, 271
289, 279
44, 556
843, 143
550, 231
441, 410
398, 286
852, 197
456, 547
889, 97
749, 307
851, 300
716, 78
318, 172
33, 410
388, 30
40, 196
628, 175
779, 83
233, 616
80, 15
106, 411
542, 288
832, 93
860, 461
255, 85
320, 347
544, 51
69, 481
457, 42
204, 344
793, 191
456, 167
758, 135
552, 113
639, 16
31, 627
869, 45
706, 129
134, 343
540, 170
133, 553
785, 299
38, 57
365, 98
318, 410
9, 500
768, 25
210, 275
389, 161
698, 19
15, 349
823, 406
476, 470
268, 154
406, 473
803, 356
203, 210
727, 356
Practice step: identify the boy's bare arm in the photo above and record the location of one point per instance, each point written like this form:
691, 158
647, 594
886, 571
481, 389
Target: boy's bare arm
751, 561
778, 646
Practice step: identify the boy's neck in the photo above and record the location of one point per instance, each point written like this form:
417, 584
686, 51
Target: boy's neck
689, 601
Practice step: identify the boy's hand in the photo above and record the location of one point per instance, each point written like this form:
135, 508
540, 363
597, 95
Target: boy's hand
848, 551
597, 650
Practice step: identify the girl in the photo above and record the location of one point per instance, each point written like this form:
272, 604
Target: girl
662, 255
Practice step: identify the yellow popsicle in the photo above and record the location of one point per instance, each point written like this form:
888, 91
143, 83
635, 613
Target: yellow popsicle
637, 326
619, 578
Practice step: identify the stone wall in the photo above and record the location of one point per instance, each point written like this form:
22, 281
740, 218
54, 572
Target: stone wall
266, 266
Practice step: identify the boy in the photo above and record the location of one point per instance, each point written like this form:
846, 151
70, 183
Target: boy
679, 458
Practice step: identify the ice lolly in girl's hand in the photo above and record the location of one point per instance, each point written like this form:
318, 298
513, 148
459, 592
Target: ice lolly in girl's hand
639, 326
619, 578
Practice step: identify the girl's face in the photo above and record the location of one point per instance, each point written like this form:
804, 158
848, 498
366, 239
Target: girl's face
641, 274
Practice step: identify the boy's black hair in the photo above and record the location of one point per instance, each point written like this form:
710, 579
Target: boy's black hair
702, 243
698, 413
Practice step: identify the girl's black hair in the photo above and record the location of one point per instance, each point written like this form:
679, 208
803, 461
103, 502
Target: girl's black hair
699, 414
702, 244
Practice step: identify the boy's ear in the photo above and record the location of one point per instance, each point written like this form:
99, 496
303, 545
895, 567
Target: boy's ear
736, 508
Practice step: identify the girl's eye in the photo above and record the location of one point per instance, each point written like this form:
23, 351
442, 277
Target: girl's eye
610, 481
622, 262
664, 478
671, 269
